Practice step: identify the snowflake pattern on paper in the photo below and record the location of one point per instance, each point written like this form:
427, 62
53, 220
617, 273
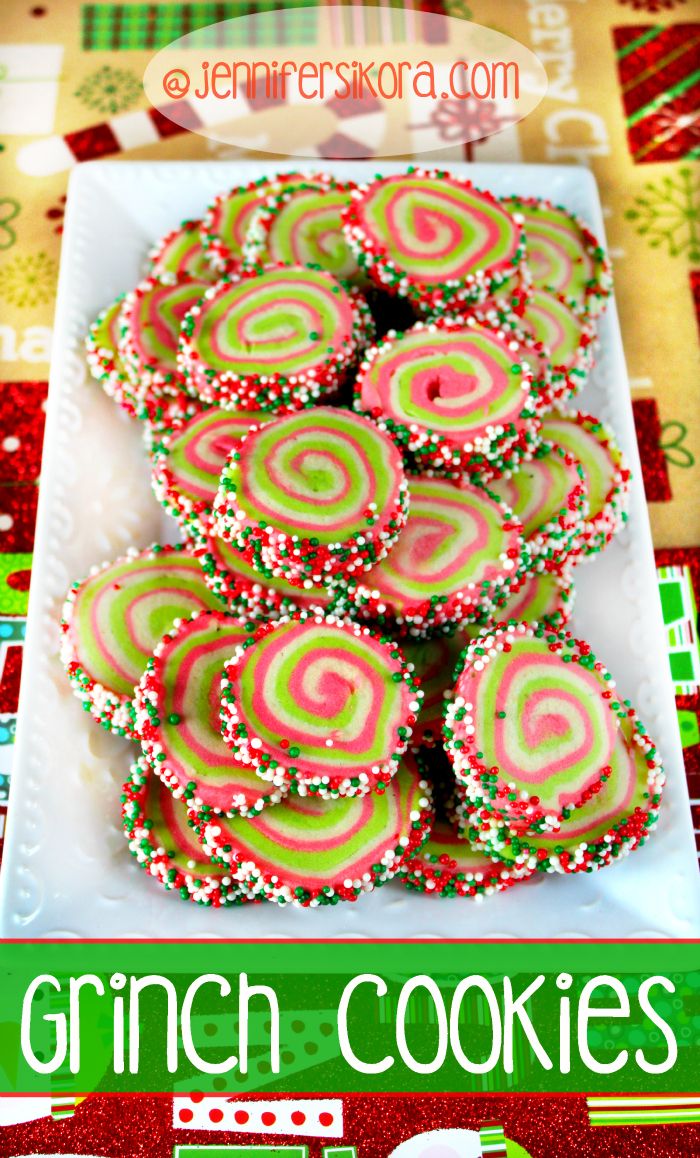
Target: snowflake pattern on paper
28, 280
109, 90
667, 214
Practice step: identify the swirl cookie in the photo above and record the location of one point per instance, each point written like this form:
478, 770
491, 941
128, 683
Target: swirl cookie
534, 727
315, 496
559, 341
547, 597
181, 252
458, 395
161, 839
300, 224
606, 474
227, 220
433, 238
320, 704
548, 495
150, 322
187, 463
614, 822
310, 852
176, 717
460, 555
113, 619
103, 357
563, 256
278, 338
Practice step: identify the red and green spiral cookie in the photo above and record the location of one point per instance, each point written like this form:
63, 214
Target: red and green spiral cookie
606, 473
273, 339
102, 353
461, 554
562, 342
188, 462
226, 222
177, 708
434, 661
310, 852
181, 252
114, 618
448, 866
457, 394
313, 496
161, 839
563, 256
245, 590
531, 729
545, 597
150, 322
300, 224
433, 238
155, 408
320, 704
614, 822
548, 494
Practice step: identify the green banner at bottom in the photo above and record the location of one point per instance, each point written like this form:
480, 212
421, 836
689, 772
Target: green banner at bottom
349, 1016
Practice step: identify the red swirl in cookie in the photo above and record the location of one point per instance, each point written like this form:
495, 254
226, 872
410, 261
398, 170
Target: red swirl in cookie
277, 338
319, 703
177, 710
432, 237
161, 839
457, 394
548, 494
113, 619
531, 729
312, 496
460, 554
310, 852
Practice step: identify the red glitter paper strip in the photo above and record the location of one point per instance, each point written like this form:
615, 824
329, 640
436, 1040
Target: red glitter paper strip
654, 466
17, 518
9, 678
22, 421
547, 1127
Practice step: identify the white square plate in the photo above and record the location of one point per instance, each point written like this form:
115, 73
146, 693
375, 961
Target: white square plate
66, 870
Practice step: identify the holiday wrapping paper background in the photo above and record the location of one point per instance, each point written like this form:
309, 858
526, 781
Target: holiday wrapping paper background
376, 1127
624, 99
